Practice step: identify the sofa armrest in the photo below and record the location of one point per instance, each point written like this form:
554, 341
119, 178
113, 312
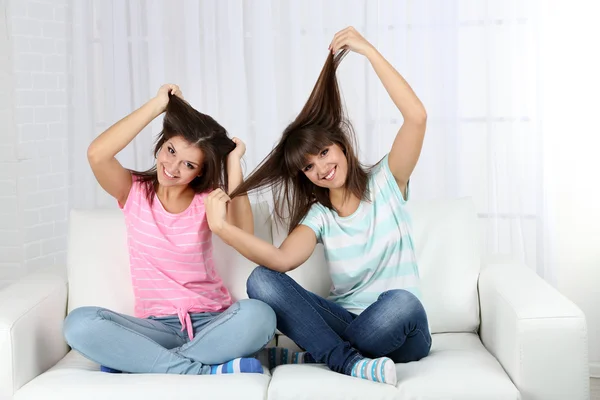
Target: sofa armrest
32, 311
536, 333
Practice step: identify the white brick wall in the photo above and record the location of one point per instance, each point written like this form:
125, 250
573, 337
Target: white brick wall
11, 256
33, 129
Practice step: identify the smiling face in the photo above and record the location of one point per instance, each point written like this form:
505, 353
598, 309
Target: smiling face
328, 169
178, 162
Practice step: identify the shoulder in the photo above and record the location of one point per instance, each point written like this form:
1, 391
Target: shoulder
381, 168
383, 184
200, 197
138, 195
316, 209
198, 208
318, 213
315, 219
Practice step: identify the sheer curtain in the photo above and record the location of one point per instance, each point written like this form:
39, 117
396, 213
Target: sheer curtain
251, 65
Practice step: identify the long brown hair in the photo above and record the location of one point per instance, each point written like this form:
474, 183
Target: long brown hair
200, 130
321, 123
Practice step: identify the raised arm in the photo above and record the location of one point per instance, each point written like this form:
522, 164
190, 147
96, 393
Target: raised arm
239, 212
292, 253
110, 174
407, 145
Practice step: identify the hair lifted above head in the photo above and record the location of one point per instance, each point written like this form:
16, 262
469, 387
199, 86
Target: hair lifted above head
321, 123
200, 130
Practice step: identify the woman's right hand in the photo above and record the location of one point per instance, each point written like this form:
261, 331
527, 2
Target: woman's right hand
215, 205
162, 97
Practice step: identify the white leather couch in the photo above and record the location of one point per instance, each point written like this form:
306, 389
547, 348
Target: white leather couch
499, 331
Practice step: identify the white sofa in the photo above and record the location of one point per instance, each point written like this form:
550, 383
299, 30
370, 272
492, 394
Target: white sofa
499, 331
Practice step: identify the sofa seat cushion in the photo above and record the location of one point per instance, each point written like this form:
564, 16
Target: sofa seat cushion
76, 378
458, 368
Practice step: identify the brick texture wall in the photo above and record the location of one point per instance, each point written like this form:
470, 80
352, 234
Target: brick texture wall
10, 241
33, 128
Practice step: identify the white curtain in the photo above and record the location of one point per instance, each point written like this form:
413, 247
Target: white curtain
252, 64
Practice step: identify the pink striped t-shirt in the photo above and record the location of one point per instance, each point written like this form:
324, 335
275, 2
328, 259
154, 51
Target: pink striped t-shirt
171, 259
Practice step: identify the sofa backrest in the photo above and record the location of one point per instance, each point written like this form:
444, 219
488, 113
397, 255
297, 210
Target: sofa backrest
98, 262
445, 234
447, 239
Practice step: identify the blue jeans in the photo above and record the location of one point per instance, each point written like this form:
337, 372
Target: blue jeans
157, 345
394, 326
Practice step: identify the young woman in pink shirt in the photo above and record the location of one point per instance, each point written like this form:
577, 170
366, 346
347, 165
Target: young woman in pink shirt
185, 322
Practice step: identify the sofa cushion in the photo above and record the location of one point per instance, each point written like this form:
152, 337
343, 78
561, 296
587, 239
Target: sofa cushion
312, 275
458, 368
446, 237
234, 268
98, 261
76, 378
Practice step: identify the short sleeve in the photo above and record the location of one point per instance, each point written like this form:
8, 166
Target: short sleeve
384, 178
135, 196
315, 220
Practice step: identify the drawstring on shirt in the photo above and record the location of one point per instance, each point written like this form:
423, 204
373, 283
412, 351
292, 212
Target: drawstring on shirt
186, 321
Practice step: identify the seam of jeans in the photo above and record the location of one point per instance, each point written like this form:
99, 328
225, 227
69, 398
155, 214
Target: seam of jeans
428, 341
266, 343
311, 306
206, 331
134, 321
321, 307
350, 364
416, 331
333, 315
134, 332
280, 276
170, 330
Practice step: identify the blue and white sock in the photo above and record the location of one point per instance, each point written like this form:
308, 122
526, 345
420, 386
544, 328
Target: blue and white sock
272, 357
380, 369
238, 365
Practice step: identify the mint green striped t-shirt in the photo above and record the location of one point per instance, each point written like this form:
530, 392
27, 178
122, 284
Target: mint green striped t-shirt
370, 251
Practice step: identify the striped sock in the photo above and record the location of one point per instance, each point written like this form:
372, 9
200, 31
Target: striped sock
238, 365
274, 356
380, 369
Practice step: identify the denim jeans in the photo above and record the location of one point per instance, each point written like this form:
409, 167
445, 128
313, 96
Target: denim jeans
394, 326
157, 345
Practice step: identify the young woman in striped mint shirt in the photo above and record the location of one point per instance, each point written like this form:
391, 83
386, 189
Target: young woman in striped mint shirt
373, 316
185, 322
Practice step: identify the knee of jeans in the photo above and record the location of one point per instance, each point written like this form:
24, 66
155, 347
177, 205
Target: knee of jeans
261, 284
410, 304
79, 324
259, 315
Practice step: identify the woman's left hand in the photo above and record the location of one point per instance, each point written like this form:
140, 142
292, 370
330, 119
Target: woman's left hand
240, 148
216, 209
350, 39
